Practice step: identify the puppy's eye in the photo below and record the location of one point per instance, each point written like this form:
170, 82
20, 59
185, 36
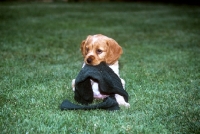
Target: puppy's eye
99, 51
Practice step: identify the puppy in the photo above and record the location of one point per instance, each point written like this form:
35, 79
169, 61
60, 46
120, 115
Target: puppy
99, 48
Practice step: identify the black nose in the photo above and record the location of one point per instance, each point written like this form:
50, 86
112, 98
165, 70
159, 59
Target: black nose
89, 60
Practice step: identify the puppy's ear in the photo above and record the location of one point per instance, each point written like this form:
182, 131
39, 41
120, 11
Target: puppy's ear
114, 51
83, 50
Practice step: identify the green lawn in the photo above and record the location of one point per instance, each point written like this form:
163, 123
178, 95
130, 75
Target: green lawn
40, 55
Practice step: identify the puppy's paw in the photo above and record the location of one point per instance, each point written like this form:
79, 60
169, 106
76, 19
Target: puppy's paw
123, 103
120, 100
73, 84
127, 105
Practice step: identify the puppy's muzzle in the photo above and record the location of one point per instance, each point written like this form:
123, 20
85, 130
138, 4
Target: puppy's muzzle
90, 59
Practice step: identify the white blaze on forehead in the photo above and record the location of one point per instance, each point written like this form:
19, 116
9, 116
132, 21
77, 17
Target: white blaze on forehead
94, 39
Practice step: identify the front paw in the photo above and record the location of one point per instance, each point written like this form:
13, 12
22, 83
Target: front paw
120, 100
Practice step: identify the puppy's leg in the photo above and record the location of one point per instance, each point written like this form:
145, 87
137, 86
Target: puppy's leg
96, 93
73, 84
95, 88
120, 100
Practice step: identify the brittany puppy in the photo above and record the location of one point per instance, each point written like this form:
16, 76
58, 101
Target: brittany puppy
99, 48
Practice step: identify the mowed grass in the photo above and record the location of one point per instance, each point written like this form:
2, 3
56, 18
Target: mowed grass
40, 55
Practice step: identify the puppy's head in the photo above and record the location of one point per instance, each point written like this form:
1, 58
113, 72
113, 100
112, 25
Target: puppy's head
98, 48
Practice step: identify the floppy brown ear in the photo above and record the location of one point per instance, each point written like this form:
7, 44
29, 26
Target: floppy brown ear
83, 51
114, 51
83, 48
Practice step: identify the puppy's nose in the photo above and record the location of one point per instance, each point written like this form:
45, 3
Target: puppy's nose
90, 59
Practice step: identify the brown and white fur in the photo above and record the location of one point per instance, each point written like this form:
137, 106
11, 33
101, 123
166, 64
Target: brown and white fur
99, 48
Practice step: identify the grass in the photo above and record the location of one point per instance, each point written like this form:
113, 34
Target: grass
39, 52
